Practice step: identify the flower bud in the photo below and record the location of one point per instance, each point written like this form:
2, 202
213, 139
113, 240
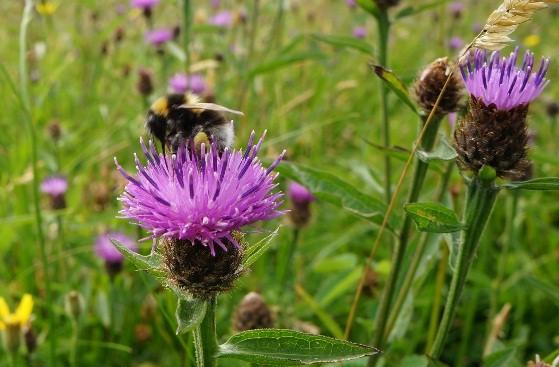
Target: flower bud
54, 130
430, 84
193, 268
252, 313
30, 338
301, 199
145, 82
552, 109
142, 333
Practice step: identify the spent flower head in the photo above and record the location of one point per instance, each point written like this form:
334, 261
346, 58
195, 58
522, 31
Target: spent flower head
201, 196
499, 81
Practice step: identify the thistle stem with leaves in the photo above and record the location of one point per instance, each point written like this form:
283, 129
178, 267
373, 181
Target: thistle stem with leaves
205, 339
482, 194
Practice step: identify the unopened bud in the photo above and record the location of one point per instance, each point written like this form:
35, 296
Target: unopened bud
145, 82
301, 199
74, 304
30, 338
252, 313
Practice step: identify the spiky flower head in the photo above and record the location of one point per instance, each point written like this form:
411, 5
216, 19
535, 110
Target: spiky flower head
181, 83
494, 131
144, 4
158, 37
201, 197
430, 84
496, 80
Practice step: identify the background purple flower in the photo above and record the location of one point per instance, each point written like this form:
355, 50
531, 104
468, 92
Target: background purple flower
215, 3
54, 185
456, 43
299, 194
359, 32
201, 196
144, 4
456, 8
180, 83
351, 3
222, 19
158, 37
499, 81
105, 249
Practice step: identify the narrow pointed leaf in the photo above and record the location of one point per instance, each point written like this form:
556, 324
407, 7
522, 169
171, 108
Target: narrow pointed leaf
279, 347
253, 252
537, 184
151, 263
396, 85
332, 189
370, 7
346, 42
433, 217
416, 9
189, 314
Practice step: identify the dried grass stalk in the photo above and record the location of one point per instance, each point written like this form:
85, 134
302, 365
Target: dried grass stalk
504, 21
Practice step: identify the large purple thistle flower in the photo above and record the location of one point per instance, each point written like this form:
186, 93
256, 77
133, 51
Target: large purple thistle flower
201, 197
497, 80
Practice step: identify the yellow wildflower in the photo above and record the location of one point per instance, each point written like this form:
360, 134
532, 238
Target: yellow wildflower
46, 8
531, 40
20, 317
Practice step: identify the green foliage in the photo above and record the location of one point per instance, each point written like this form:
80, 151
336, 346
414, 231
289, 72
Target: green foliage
396, 85
277, 347
433, 217
189, 314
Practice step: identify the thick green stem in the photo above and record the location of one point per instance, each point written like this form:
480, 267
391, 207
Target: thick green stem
24, 90
383, 24
481, 198
416, 260
187, 23
420, 172
205, 339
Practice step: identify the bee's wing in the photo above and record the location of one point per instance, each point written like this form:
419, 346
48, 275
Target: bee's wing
211, 106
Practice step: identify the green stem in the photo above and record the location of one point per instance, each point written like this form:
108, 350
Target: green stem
435, 309
187, 23
420, 172
383, 24
24, 89
205, 339
481, 198
74, 343
416, 260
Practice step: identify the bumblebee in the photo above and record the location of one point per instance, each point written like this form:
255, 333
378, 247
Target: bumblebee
177, 119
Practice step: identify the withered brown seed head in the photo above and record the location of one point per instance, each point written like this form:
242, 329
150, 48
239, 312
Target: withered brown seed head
371, 282
488, 136
385, 4
191, 267
54, 130
252, 313
431, 82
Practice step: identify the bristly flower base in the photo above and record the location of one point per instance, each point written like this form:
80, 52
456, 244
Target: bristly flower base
493, 137
192, 268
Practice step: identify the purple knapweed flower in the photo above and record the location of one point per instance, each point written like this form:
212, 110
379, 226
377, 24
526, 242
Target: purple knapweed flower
359, 32
456, 43
180, 83
201, 196
299, 194
215, 3
144, 4
456, 8
351, 3
498, 80
222, 19
158, 37
54, 185
105, 249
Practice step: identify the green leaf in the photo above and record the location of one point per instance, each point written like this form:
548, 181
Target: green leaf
346, 42
370, 7
397, 152
330, 188
442, 152
414, 361
539, 184
433, 217
280, 347
550, 290
189, 314
396, 85
324, 316
151, 263
416, 9
253, 252
502, 358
